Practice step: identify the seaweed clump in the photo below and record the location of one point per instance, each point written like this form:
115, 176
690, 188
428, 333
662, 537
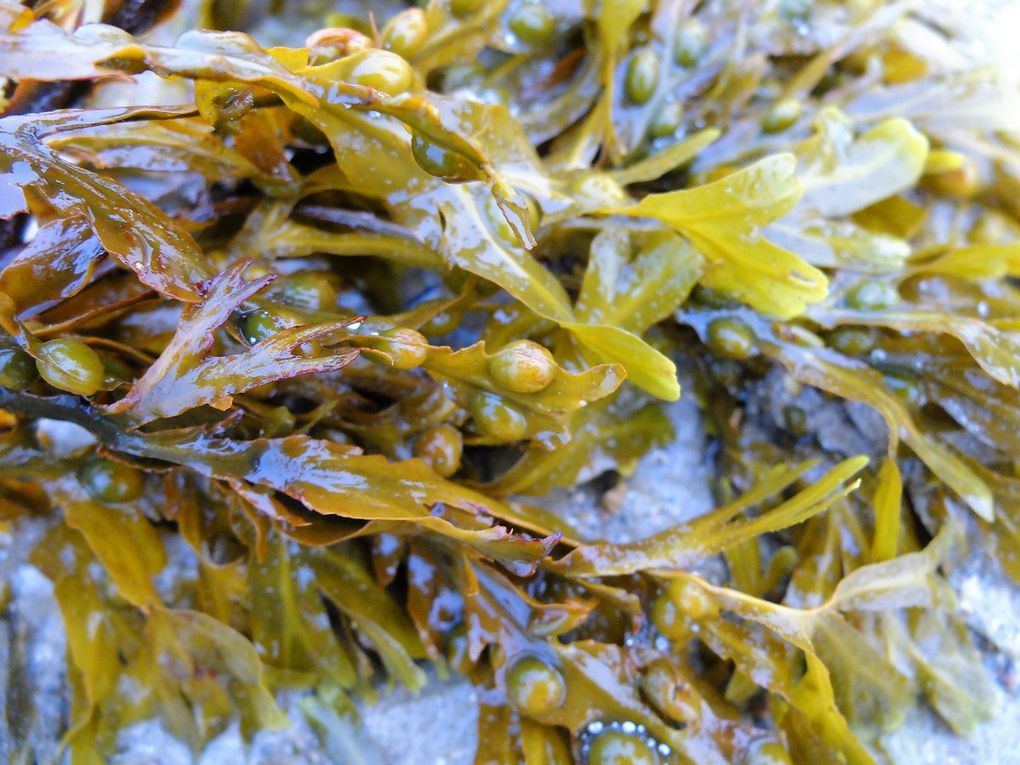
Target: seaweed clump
329, 311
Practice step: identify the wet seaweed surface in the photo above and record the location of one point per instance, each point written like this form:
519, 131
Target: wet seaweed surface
305, 315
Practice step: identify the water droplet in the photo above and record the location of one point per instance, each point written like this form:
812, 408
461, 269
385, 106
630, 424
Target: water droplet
31, 229
628, 727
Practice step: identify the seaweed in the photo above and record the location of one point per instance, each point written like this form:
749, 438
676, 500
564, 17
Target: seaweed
335, 313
